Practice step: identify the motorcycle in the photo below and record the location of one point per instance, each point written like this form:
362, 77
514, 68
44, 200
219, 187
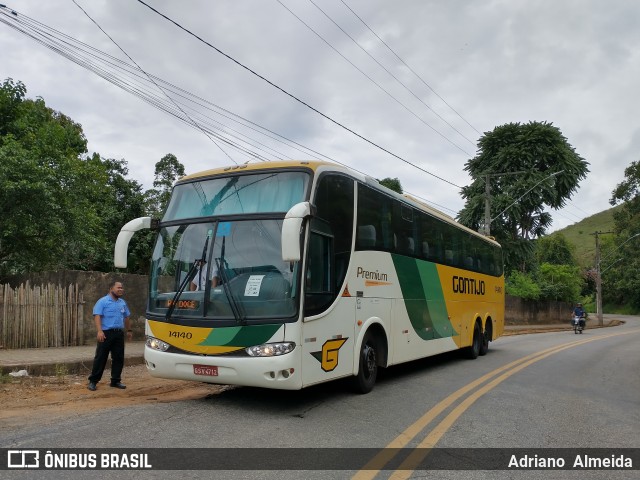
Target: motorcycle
578, 323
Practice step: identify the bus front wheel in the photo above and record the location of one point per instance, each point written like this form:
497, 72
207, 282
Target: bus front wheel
364, 381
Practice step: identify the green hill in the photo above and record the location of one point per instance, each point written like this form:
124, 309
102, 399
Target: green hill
580, 235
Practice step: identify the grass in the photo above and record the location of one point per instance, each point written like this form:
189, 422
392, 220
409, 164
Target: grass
580, 235
5, 378
620, 309
589, 305
61, 372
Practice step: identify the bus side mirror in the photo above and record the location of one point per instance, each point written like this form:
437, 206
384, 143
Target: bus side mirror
291, 230
122, 242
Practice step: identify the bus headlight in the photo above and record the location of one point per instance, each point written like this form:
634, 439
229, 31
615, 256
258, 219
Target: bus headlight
156, 344
270, 349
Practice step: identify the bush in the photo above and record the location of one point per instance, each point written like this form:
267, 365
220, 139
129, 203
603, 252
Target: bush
522, 285
560, 282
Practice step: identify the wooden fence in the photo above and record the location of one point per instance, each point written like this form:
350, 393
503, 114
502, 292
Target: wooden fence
41, 316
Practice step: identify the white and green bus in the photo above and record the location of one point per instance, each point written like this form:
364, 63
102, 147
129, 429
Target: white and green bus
288, 274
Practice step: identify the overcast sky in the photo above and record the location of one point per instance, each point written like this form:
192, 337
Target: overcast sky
574, 63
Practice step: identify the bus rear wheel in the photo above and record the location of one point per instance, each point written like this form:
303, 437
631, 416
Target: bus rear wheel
484, 345
473, 351
364, 381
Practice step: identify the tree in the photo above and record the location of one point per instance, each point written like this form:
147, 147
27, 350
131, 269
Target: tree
11, 97
518, 159
23, 196
46, 188
167, 171
124, 195
154, 203
560, 282
556, 250
522, 285
59, 207
621, 259
392, 184
629, 189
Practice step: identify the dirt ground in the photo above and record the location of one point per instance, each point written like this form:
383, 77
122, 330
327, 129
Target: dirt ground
39, 400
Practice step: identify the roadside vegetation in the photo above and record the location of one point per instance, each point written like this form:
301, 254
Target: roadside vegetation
580, 235
528, 169
62, 207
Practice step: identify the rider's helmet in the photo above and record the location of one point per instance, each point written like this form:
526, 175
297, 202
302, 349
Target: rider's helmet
578, 304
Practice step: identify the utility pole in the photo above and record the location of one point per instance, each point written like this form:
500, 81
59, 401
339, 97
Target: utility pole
487, 206
598, 278
487, 198
599, 270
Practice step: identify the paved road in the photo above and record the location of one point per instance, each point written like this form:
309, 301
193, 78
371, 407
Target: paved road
551, 390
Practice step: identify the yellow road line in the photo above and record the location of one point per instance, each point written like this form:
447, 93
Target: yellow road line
373, 467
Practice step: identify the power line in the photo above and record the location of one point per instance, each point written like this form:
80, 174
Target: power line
77, 52
126, 77
578, 208
67, 47
410, 69
389, 72
420, 119
253, 72
564, 216
151, 79
564, 213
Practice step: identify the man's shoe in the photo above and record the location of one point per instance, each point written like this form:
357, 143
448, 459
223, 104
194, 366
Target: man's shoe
119, 385
92, 386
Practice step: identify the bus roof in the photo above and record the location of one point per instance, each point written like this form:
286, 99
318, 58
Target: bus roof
248, 167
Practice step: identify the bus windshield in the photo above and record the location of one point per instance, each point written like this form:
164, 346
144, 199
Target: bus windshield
240, 194
228, 271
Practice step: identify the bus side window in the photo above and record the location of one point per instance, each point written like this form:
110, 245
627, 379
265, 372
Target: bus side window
329, 241
403, 225
334, 205
319, 269
319, 289
426, 253
468, 263
411, 248
367, 236
448, 257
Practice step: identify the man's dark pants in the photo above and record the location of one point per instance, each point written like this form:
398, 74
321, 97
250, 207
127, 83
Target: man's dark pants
114, 343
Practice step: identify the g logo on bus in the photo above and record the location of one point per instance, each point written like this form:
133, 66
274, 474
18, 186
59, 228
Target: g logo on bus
328, 356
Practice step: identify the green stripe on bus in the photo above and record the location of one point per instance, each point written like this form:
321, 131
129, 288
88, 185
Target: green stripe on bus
245, 336
423, 297
432, 287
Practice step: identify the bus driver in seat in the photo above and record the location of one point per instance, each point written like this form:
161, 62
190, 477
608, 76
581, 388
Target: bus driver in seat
199, 282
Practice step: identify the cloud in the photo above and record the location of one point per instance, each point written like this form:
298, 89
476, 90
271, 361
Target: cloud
573, 63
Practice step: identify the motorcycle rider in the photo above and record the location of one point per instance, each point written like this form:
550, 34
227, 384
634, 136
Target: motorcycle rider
579, 313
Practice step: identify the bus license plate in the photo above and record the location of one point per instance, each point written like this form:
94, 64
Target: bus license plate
205, 370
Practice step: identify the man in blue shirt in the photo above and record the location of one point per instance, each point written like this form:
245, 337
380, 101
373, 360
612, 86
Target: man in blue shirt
111, 316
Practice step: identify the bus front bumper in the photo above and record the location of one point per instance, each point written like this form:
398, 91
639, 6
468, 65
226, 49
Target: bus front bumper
278, 372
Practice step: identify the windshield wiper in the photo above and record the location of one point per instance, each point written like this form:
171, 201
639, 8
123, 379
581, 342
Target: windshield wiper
190, 276
233, 303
